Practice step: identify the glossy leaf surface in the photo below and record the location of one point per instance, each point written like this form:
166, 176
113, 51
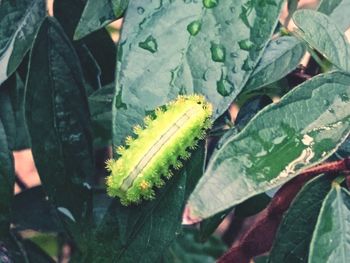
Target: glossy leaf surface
175, 47
98, 14
277, 144
331, 238
58, 121
19, 21
321, 33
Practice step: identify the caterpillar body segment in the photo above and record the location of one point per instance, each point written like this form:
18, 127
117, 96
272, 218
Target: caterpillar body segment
148, 159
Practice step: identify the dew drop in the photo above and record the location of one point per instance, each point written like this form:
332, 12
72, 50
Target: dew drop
232, 9
194, 27
248, 64
326, 102
246, 44
149, 44
210, 3
234, 54
218, 52
224, 86
140, 10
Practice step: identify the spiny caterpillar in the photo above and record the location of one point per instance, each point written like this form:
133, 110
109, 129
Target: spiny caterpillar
159, 146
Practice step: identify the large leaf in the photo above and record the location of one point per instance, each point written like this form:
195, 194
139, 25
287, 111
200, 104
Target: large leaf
146, 230
58, 122
320, 32
281, 56
338, 11
303, 129
98, 14
293, 238
6, 182
19, 21
330, 241
174, 47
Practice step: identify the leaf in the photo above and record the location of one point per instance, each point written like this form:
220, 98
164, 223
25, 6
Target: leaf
58, 122
277, 144
44, 219
281, 56
320, 32
144, 231
100, 44
6, 181
210, 51
98, 14
100, 104
330, 240
19, 22
295, 231
187, 248
35, 253
338, 11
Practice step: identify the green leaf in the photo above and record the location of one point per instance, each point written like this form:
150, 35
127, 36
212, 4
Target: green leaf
303, 129
281, 56
293, 238
100, 104
207, 50
320, 32
6, 182
330, 241
187, 248
58, 122
98, 14
144, 231
19, 21
100, 44
35, 253
338, 11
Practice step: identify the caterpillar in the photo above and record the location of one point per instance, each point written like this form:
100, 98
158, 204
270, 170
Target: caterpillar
157, 147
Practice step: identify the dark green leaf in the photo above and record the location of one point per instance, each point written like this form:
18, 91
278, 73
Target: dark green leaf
200, 48
100, 104
58, 122
98, 14
209, 225
100, 44
35, 253
303, 129
19, 21
44, 218
293, 238
187, 249
338, 11
281, 56
330, 240
320, 32
6, 182
252, 206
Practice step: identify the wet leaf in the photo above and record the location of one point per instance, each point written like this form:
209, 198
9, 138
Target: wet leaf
330, 241
204, 47
19, 22
277, 144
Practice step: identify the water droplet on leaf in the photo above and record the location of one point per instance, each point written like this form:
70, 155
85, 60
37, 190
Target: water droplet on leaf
194, 27
224, 86
246, 44
149, 44
248, 64
140, 10
210, 3
218, 52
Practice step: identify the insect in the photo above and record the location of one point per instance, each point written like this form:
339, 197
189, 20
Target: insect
157, 148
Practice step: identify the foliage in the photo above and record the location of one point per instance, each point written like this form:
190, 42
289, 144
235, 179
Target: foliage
66, 91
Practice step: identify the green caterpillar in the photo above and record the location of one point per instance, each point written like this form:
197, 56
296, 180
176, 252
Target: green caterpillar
158, 147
